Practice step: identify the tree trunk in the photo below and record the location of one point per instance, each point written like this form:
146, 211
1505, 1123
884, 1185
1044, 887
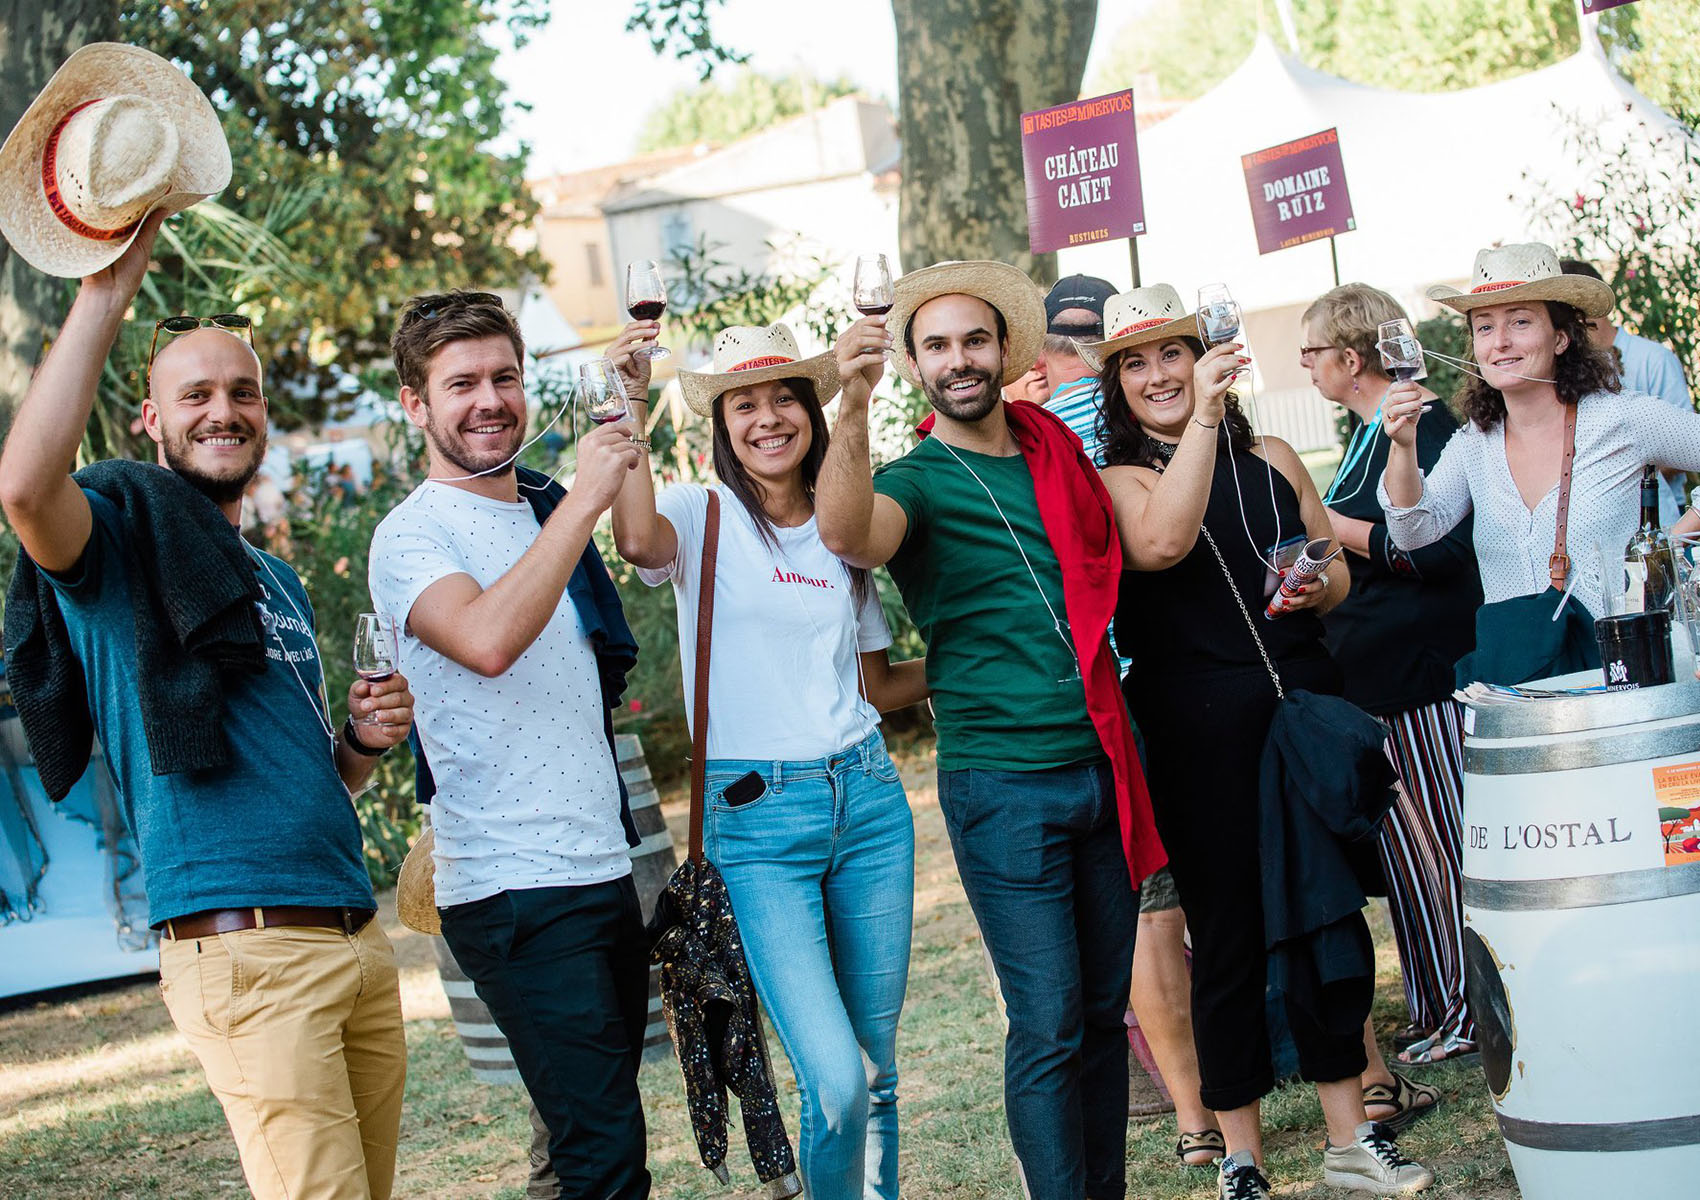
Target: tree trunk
966, 71
35, 37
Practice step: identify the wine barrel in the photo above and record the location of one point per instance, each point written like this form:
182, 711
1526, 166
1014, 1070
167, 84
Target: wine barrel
1581, 902
653, 862
486, 1048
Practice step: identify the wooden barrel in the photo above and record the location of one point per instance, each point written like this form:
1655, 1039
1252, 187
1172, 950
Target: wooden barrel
1581, 911
653, 861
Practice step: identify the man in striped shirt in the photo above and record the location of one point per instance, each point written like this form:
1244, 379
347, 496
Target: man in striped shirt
1074, 309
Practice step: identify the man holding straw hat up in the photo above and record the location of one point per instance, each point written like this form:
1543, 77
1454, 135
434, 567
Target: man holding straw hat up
1003, 542
138, 613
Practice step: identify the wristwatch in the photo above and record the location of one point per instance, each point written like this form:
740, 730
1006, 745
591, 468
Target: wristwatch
353, 742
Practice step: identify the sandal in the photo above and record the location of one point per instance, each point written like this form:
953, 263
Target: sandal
1407, 1099
1410, 1035
1205, 1141
1436, 1049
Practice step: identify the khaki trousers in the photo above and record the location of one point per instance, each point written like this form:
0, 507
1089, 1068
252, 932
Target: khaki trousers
299, 1033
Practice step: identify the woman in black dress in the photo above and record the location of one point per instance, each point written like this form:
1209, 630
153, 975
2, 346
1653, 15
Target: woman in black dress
1199, 500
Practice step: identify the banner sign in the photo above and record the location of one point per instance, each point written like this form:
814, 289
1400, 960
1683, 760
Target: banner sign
1298, 192
1595, 6
1082, 166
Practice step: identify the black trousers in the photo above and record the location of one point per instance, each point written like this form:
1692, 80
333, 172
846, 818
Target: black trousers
1204, 738
565, 973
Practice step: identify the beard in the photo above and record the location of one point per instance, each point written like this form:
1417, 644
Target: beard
454, 450
965, 410
221, 489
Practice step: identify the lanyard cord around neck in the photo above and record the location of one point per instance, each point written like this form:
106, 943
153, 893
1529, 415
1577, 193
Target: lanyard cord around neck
1056, 621
1356, 451
318, 701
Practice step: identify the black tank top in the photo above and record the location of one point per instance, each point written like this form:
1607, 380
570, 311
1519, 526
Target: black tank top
1184, 619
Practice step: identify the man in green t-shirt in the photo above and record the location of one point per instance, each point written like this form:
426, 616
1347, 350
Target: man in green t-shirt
1035, 774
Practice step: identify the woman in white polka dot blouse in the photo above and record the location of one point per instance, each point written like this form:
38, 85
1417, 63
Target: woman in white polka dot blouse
1538, 373
805, 816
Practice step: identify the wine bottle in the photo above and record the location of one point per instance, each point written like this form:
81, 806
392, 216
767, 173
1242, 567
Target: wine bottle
1649, 559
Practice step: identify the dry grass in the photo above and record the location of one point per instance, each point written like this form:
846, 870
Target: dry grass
99, 1097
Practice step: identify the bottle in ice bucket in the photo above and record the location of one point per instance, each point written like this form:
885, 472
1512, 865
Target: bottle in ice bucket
1648, 559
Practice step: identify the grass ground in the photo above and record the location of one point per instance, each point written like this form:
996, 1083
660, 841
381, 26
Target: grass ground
99, 1097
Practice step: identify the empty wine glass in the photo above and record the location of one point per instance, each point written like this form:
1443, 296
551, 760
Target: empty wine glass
1401, 352
374, 652
1218, 315
646, 299
603, 392
872, 292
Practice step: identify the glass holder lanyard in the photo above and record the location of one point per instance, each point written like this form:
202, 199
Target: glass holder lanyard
1359, 450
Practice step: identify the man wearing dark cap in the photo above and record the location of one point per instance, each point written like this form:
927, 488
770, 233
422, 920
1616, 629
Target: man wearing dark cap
1074, 309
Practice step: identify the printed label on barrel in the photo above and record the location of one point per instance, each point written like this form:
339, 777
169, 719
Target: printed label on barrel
1594, 822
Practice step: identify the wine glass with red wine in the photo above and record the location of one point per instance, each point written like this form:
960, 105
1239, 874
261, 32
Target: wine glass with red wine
374, 652
1401, 352
872, 292
603, 392
1218, 315
646, 299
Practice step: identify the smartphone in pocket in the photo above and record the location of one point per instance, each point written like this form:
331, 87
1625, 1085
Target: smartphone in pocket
745, 789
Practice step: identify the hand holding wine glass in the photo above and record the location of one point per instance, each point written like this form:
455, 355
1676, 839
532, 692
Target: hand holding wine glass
872, 292
603, 391
375, 652
646, 299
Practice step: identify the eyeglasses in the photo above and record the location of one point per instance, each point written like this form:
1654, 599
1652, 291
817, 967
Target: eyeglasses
187, 322
1306, 351
429, 308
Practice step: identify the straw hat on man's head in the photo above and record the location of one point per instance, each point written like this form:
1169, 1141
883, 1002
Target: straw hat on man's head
117, 133
1529, 271
745, 355
1146, 314
998, 284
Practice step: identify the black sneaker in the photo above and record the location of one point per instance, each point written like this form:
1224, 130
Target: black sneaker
1241, 1180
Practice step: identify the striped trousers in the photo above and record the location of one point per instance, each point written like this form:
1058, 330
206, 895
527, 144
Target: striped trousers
1421, 849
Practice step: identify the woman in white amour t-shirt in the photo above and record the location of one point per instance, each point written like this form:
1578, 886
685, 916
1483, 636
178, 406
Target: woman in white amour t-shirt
804, 815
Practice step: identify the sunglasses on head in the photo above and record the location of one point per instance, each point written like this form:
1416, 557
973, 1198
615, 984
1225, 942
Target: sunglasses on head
432, 307
186, 323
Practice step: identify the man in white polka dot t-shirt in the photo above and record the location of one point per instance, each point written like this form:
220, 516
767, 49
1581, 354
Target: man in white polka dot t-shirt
533, 876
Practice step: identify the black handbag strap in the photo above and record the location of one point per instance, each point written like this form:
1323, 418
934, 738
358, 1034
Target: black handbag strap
699, 699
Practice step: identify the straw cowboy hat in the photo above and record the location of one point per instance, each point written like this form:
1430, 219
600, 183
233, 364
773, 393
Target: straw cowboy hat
116, 133
1146, 314
416, 886
998, 284
1529, 271
751, 354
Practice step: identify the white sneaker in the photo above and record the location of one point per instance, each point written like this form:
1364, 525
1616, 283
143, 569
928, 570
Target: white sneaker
1373, 1163
1238, 1180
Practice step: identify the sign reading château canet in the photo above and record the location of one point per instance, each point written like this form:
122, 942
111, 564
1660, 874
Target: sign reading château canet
1298, 192
1082, 166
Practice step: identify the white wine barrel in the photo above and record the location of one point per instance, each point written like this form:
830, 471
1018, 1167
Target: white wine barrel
486, 1048
653, 862
1582, 937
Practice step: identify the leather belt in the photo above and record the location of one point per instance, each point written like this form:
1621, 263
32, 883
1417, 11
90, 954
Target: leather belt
232, 920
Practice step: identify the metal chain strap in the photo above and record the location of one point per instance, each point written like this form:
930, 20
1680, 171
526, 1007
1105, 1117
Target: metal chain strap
1244, 612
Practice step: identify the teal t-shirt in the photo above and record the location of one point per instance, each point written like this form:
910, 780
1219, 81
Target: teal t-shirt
274, 827
1004, 696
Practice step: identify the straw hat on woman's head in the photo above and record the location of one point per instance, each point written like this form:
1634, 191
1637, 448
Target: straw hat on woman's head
1006, 289
1146, 314
117, 133
745, 355
1529, 271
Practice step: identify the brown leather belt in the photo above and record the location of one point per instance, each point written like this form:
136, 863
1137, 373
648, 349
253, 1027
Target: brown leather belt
232, 920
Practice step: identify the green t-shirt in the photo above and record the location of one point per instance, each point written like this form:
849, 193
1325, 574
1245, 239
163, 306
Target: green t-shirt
995, 661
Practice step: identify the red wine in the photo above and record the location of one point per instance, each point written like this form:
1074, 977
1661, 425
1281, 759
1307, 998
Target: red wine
608, 418
647, 310
1404, 372
873, 310
376, 676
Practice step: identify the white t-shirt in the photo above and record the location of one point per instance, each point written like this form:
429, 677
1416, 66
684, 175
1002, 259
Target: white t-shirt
527, 790
782, 675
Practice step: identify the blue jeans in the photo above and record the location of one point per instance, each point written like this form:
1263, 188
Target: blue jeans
1040, 855
821, 872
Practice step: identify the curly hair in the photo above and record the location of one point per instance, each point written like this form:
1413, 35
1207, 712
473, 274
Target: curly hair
1581, 369
1125, 442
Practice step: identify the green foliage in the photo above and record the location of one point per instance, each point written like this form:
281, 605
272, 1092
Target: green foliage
681, 28
1638, 221
1444, 333
1654, 46
1413, 45
727, 110
362, 133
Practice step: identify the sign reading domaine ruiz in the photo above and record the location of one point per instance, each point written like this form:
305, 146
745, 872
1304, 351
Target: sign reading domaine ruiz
1298, 192
1082, 166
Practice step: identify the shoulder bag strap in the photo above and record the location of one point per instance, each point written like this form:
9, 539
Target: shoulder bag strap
699, 699
1251, 625
1558, 566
